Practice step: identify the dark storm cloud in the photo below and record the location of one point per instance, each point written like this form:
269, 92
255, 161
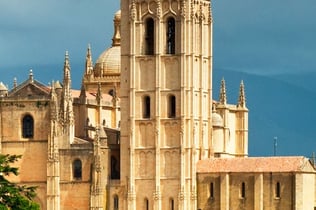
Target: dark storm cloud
249, 35
265, 36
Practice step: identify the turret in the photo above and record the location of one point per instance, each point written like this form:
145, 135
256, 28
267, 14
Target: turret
66, 109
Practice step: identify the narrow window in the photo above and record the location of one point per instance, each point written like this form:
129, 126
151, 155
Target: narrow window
171, 36
277, 190
116, 202
172, 106
171, 204
146, 110
146, 204
115, 173
150, 36
243, 190
77, 169
212, 190
28, 126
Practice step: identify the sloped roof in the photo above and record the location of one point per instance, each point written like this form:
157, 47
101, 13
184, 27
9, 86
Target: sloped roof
30, 89
256, 164
76, 94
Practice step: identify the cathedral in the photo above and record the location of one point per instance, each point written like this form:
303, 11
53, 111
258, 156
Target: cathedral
144, 131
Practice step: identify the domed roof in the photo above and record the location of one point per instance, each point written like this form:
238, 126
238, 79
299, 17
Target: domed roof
217, 120
109, 62
3, 87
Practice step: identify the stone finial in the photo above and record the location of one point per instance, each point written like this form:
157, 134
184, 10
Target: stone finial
222, 96
241, 97
83, 94
99, 94
66, 67
89, 62
15, 83
116, 40
31, 77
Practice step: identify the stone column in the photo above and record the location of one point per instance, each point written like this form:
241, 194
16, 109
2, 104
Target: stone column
258, 192
224, 188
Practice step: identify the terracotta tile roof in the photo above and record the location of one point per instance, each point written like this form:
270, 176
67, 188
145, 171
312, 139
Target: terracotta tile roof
76, 94
255, 164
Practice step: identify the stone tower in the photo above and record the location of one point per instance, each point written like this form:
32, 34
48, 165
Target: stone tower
166, 99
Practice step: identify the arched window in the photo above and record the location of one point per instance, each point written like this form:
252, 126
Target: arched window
77, 169
146, 204
172, 106
243, 190
211, 190
150, 36
171, 204
171, 34
27, 126
277, 190
116, 202
146, 107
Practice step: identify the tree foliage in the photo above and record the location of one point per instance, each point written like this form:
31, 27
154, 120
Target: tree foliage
12, 195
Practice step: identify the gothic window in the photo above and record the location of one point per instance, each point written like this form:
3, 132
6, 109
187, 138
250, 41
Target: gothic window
27, 126
146, 107
116, 202
277, 190
77, 169
211, 190
150, 36
171, 35
171, 204
115, 173
172, 106
243, 190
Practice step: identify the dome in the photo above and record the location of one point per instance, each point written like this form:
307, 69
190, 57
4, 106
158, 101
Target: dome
217, 120
109, 62
3, 87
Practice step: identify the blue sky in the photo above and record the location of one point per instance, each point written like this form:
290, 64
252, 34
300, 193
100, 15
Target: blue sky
262, 37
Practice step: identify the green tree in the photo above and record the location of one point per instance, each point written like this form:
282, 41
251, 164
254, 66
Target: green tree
12, 195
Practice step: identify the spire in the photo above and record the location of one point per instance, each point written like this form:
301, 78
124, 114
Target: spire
242, 97
83, 95
222, 97
15, 83
116, 40
89, 62
31, 78
66, 68
53, 97
99, 94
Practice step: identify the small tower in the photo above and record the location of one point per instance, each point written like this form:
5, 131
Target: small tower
53, 164
66, 109
242, 123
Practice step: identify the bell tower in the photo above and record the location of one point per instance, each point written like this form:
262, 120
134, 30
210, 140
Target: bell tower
166, 99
